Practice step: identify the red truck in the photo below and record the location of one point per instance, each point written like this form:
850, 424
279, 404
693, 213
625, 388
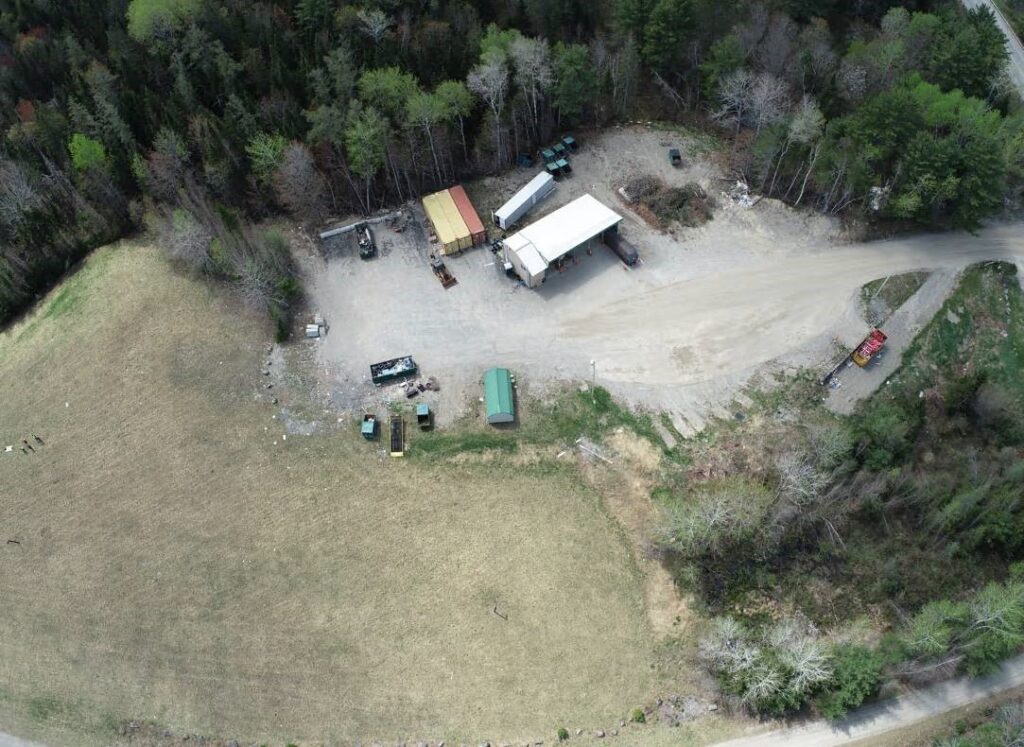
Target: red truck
869, 348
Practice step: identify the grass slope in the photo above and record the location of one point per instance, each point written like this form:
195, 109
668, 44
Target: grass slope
177, 565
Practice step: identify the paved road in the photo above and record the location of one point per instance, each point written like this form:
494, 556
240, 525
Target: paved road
1013, 44
880, 718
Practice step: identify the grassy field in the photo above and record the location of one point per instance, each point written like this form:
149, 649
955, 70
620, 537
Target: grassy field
180, 561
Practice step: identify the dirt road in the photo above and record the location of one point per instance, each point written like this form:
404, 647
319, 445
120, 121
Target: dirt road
1013, 44
7, 740
892, 714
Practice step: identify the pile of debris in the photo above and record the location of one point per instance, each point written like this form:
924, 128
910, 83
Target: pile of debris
418, 386
661, 205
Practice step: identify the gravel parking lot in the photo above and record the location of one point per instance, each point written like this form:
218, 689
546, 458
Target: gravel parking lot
708, 309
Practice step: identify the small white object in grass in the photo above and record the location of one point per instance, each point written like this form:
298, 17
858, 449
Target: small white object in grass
275, 443
8, 448
284, 437
67, 404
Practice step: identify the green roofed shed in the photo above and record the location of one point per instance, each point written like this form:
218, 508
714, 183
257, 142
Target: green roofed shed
498, 396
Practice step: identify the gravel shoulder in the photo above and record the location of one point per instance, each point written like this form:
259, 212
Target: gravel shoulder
852, 385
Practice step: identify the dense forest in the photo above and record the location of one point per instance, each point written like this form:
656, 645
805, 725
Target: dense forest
200, 117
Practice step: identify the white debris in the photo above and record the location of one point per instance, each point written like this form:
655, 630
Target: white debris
739, 195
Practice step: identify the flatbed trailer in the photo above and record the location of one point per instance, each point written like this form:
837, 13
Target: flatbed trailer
391, 370
397, 436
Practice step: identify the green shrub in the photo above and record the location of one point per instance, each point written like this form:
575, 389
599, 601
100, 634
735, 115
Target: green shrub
563, 734
856, 677
885, 430
638, 716
87, 154
265, 153
149, 18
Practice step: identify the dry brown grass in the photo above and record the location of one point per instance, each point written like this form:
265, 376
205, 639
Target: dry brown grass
176, 565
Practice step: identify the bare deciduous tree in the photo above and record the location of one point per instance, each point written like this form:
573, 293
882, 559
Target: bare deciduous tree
489, 81
734, 98
831, 444
375, 23
769, 101
774, 52
17, 196
185, 239
255, 281
816, 47
299, 186
752, 100
800, 482
531, 59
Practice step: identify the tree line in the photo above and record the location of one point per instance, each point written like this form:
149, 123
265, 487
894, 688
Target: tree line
207, 115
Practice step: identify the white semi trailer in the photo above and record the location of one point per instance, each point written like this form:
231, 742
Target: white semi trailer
522, 201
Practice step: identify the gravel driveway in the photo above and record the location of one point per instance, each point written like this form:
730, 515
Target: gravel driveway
756, 289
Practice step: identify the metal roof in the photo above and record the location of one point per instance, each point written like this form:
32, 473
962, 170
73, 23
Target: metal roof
498, 395
523, 196
566, 228
528, 255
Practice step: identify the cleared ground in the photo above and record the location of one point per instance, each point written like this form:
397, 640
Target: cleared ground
180, 560
707, 310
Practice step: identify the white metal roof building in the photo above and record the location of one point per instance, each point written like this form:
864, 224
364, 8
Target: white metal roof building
533, 249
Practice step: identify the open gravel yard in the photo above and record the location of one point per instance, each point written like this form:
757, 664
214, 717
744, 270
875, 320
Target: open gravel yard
755, 289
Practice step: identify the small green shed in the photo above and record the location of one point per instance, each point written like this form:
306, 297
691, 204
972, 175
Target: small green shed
498, 398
